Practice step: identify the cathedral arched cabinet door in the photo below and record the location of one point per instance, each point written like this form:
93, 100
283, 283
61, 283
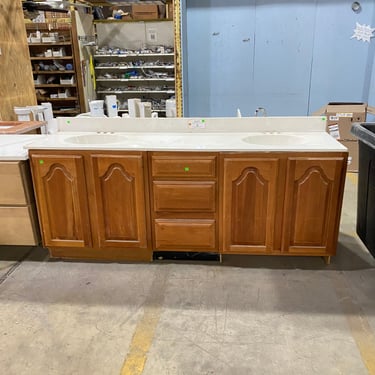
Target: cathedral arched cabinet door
251, 212
119, 206
60, 187
312, 204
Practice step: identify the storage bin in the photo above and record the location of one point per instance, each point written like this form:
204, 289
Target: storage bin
67, 80
64, 94
59, 52
34, 37
365, 132
50, 37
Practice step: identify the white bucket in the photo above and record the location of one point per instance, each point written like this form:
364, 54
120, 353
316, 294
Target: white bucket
97, 108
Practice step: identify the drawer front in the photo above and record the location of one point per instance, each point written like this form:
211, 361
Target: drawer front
187, 235
184, 196
12, 188
18, 226
184, 166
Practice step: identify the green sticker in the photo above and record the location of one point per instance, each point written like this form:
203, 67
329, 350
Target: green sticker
187, 169
41, 161
324, 118
68, 122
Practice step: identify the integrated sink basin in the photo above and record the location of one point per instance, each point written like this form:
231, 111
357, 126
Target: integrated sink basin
274, 139
97, 139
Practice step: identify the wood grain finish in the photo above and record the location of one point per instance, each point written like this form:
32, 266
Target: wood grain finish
119, 200
96, 253
18, 220
185, 234
12, 184
184, 200
234, 203
312, 204
18, 226
289, 205
60, 187
249, 201
16, 83
183, 166
20, 127
185, 196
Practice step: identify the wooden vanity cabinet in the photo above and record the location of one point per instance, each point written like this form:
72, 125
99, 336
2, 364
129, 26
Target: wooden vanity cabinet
123, 205
184, 201
252, 203
61, 194
18, 219
282, 203
118, 199
312, 209
93, 204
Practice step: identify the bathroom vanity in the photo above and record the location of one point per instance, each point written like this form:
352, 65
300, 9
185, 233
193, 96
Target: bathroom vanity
128, 188
18, 219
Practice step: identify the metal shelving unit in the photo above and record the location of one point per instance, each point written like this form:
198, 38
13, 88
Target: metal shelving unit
148, 76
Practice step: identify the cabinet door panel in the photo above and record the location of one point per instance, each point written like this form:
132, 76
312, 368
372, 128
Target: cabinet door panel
62, 199
250, 199
119, 200
312, 209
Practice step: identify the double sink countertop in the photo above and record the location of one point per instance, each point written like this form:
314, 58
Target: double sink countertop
179, 134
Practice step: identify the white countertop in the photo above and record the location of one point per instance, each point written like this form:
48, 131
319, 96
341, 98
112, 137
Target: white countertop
178, 134
12, 146
166, 141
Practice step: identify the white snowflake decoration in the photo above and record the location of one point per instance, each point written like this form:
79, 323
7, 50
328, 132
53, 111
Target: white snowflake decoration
363, 32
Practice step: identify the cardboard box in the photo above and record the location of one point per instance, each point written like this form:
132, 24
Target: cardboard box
145, 11
340, 117
353, 158
169, 11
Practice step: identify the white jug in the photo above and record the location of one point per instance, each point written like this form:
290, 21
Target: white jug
97, 108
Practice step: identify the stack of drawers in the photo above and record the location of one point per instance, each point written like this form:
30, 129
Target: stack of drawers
18, 220
184, 201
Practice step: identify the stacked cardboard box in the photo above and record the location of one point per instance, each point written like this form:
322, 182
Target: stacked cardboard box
340, 117
169, 10
145, 11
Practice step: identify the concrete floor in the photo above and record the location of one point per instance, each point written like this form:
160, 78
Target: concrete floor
249, 315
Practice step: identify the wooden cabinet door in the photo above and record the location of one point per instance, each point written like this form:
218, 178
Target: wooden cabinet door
120, 203
250, 205
60, 187
312, 208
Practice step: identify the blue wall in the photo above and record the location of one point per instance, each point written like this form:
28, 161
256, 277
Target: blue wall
291, 57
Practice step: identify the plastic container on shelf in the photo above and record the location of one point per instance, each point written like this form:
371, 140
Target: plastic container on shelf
365, 132
170, 107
